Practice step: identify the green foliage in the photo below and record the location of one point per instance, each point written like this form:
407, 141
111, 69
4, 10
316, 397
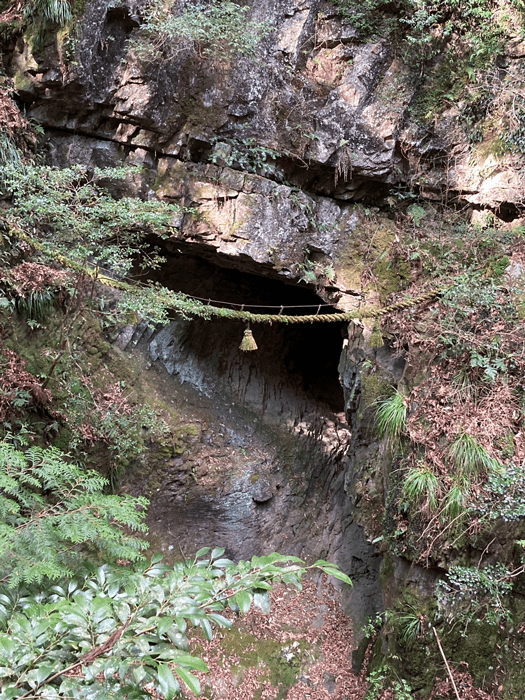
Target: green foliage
475, 305
381, 680
421, 485
391, 417
475, 594
368, 17
246, 155
37, 305
72, 212
417, 213
218, 29
9, 153
455, 503
53, 514
53, 11
503, 495
130, 627
120, 431
474, 21
513, 137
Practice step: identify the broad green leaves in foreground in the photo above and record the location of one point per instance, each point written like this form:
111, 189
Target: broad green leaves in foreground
127, 631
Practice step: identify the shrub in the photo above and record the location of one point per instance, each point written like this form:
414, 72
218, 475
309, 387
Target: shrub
219, 29
128, 629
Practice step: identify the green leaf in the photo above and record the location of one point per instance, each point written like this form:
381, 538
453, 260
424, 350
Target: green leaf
243, 600
164, 624
202, 552
191, 681
189, 661
43, 671
181, 623
222, 563
337, 573
220, 620
217, 552
207, 629
168, 684
323, 562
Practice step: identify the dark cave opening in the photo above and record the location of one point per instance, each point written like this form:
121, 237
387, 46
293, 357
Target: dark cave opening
295, 358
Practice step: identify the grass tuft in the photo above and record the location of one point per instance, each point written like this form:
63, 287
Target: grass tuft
37, 305
470, 458
455, 503
421, 484
391, 417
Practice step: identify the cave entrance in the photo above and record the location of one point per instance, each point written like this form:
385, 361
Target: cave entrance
291, 360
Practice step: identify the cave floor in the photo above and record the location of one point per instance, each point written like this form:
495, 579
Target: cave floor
300, 650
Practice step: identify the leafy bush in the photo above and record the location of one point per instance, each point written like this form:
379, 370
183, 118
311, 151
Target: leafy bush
245, 154
475, 594
503, 495
128, 630
75, 216
219, 29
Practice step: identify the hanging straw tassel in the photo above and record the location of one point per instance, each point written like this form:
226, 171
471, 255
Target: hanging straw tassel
376, 337
248, 341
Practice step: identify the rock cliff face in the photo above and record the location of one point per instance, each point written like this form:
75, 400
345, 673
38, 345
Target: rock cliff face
278, 161
332, 113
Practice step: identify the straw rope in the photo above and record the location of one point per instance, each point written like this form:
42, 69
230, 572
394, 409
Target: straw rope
190, 306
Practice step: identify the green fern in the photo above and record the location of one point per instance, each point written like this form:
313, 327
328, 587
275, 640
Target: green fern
53, 513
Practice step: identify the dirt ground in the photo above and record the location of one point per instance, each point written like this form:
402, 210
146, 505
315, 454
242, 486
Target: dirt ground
300, 650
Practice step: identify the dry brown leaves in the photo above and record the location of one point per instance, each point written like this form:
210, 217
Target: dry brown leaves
443, 690
32, 277
12, 120
14, 377
441, 414
442, 406
110, 400
311, 616
14, 13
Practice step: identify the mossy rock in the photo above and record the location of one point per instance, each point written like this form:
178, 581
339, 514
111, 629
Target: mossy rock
369, 248
279, 663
